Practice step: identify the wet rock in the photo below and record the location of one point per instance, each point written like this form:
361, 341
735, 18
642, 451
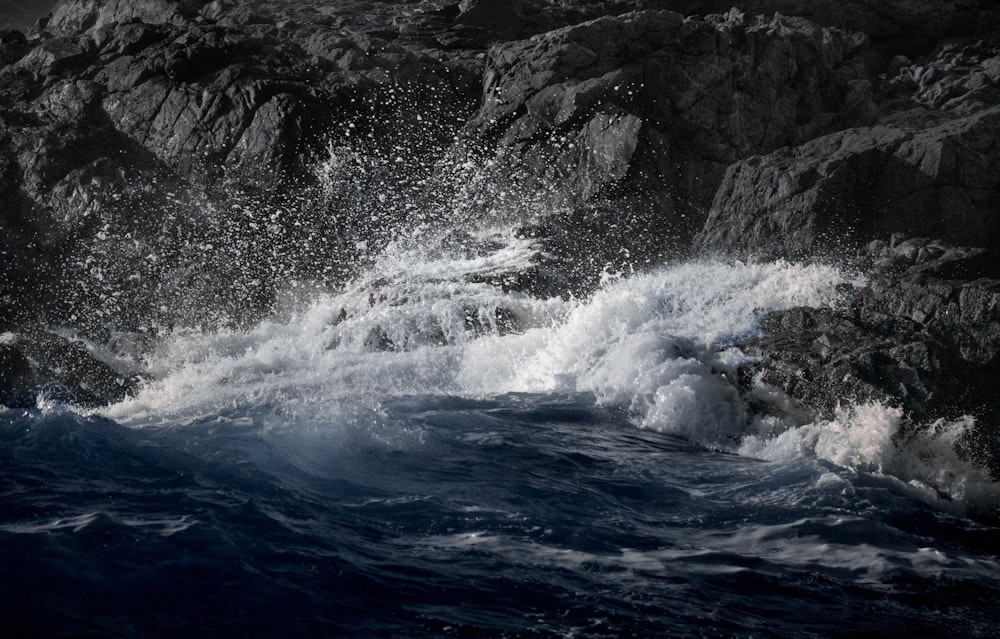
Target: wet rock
821, 358
632, 120
42, 362
154, 155
922, 335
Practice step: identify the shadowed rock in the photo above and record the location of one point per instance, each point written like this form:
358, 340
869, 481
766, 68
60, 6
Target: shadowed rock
44, 363
931, 168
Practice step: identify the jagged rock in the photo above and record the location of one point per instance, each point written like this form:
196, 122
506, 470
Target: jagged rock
151, 154
953, 292
633, 119
898, 26
696, 82
929, 167
923, 335
959, 79
821, 357
87, 15
841, 190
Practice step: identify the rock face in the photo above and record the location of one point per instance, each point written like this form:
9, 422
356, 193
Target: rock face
158, 166
925, 166
638, 116
842, 189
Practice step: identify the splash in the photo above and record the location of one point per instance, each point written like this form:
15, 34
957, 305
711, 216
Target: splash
660, 344
874, 438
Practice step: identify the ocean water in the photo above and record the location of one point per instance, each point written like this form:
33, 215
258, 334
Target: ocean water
424, 453
428, 450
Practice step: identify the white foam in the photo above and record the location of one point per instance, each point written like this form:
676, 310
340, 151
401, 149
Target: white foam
868, 438
658, 344
401, 329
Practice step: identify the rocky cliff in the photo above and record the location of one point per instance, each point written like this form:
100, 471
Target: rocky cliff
158, 164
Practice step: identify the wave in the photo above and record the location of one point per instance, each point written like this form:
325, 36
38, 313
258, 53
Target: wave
662, 347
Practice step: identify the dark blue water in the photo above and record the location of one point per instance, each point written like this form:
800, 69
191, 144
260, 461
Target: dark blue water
520, 515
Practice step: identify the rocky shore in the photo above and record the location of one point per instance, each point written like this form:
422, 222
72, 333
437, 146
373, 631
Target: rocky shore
157, 168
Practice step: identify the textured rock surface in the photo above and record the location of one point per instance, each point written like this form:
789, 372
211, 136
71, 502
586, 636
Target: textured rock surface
902, 26
929, 167
923, 336
649, 108
840, 190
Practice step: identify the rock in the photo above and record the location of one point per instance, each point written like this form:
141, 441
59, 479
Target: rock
822, 358
841, 190
42, 362
88, 15
960, 78
927, 167
157, 163
501, 18
923, 335
896, 26
13, 45
633, 119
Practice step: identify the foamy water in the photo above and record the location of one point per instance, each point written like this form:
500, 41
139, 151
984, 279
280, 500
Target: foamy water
659, 346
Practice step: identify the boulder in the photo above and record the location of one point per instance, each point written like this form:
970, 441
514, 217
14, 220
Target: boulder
838, 192
928, 168
631, 121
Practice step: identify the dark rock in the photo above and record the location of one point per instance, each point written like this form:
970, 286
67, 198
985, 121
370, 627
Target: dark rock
961, 78
42, 362
928, 168
156, 164
822, 358
13, 45
502, 18
841, 190
896, 26
923, 335
86, 15
644, 111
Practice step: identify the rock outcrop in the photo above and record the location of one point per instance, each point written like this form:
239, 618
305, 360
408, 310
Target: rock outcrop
923, 336
841, 190
635, 118
926, 166
159, 166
